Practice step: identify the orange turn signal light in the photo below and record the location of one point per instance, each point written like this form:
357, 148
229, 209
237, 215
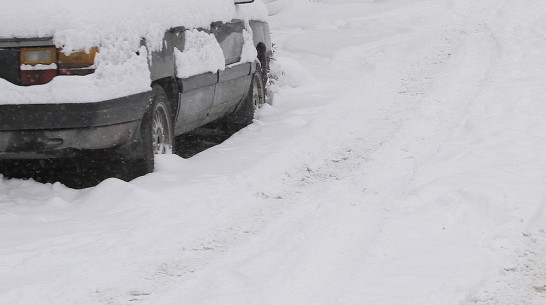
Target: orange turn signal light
41, 65
78, 59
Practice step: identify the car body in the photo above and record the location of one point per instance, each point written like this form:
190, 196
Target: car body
58, 120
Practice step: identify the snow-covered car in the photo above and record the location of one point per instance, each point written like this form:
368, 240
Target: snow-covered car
116, 81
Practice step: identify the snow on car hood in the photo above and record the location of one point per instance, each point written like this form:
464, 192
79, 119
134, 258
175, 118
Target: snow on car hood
84, 24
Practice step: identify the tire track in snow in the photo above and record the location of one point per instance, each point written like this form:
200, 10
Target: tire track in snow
524, 282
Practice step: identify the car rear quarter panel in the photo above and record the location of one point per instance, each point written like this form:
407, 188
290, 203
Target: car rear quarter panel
162, 63
261, 34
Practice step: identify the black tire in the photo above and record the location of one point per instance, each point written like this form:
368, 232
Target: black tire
254, 99
156, 136
264, 65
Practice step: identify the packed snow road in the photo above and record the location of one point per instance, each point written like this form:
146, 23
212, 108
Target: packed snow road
401, 163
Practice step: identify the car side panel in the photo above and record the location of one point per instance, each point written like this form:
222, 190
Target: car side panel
196, 96
230, 38
234, 81
206, 97
232, 86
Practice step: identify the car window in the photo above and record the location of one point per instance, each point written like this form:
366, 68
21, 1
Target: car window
201, 54
230, 37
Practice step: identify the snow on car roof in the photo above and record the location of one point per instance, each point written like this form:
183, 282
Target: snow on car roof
76, 25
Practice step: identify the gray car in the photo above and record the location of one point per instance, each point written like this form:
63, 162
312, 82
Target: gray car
125, 133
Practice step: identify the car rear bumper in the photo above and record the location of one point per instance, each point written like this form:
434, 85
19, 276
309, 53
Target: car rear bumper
56, 130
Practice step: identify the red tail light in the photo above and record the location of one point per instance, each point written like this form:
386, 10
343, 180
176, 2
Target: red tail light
37, 75
41, 65
38, 65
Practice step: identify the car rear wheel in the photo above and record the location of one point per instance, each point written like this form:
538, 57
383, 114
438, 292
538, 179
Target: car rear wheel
156, 136
162, 134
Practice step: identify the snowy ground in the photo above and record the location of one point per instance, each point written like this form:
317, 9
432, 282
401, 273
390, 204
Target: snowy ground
401, 163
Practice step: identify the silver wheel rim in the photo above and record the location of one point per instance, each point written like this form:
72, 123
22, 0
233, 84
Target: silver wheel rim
161, 131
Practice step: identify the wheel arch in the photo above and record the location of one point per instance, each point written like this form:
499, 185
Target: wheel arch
171, 89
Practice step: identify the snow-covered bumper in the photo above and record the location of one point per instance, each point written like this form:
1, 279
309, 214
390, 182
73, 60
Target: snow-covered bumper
58, 130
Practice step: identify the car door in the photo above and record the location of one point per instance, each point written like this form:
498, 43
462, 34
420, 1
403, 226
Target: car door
196, 78
234, 80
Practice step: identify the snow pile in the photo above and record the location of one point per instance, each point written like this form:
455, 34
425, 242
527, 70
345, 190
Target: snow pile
201, 54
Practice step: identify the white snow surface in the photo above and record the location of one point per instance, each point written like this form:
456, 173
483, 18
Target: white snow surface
401, 163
